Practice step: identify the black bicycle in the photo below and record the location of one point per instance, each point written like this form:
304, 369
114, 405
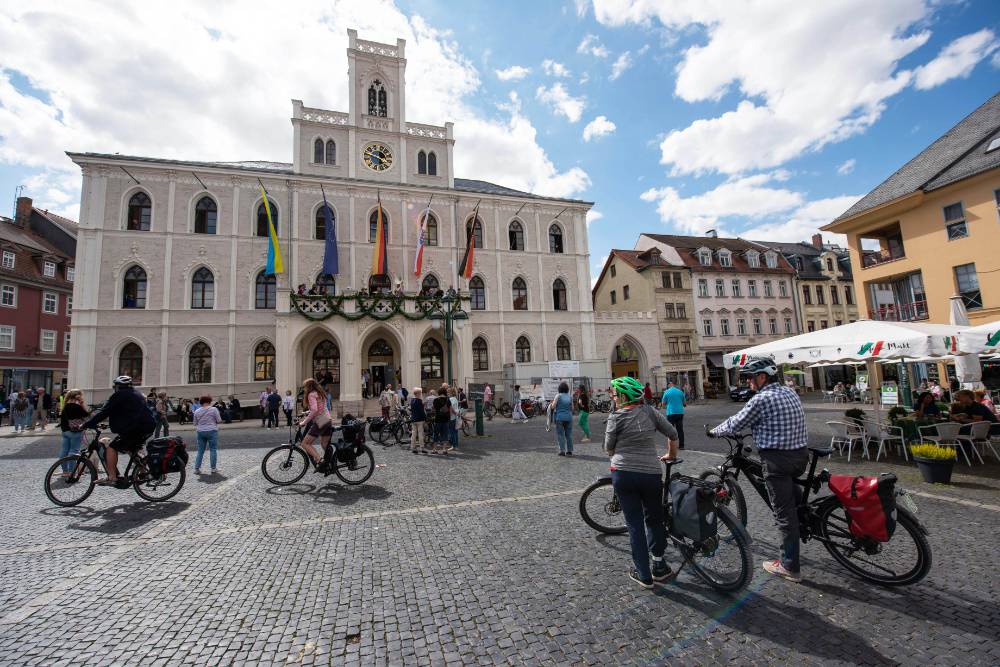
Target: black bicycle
395, 431
353, 461
905, 559
72, 478
721, 561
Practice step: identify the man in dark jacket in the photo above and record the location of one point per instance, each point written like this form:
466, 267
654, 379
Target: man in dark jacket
273, 405
128, 418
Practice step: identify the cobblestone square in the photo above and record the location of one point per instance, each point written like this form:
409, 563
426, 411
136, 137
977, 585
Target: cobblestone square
477, 558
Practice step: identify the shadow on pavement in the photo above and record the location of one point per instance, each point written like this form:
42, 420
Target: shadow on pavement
333, 493
117, 519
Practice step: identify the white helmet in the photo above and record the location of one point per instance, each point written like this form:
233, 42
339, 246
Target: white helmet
122, 381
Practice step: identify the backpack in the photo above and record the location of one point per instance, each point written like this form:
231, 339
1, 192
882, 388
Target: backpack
870, 503
165, 455
444, 407
21, 404
692, 509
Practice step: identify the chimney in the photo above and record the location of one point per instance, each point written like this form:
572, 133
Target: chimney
712, 234
818, 241
23, 214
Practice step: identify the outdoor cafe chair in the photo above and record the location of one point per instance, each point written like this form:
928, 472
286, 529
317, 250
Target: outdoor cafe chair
945, 434
845, 434
979, 435
885, 434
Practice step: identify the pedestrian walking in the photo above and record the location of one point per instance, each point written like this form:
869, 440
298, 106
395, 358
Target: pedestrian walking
288, 406
418, 416
562, 417
32, 407
442, 417
160, 406
263, 406
365, 382
487, 400
73, 415
273, 405
647, 394
385, 401
583, 406
206, 424
20, 412
674, 404
517, 412
456, 413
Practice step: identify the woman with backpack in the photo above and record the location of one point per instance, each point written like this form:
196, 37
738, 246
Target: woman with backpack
20, 413
562, 416
70, 419
442, 419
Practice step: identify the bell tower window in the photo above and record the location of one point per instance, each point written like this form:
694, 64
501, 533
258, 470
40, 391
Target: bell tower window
378, 101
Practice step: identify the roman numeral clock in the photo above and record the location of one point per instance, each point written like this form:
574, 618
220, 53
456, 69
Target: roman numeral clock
377, 157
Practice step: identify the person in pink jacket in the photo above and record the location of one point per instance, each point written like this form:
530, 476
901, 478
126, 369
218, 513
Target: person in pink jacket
318, 417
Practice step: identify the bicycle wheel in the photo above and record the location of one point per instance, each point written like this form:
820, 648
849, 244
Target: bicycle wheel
157, 488
466, 427
734, 501
723, 561
490, 411
404, 433
385, 436
359, 470
904, 559
284, 465
72, 490
506, 410
600, 509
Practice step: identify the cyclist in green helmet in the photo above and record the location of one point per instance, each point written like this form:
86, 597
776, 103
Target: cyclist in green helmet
637, 476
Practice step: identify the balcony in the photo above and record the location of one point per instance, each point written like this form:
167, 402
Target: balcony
899, 312
881, 246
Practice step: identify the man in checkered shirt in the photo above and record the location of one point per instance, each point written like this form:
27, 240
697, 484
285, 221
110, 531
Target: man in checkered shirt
774, 415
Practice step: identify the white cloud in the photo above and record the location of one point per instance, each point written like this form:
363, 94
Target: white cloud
190, 102
623, 62
846, 167
584, 78
592, 45
957, 59
795, 95
561, 101
581, 7
553, 68
593, 215
805, 221
995, 60
513, 73
598, 127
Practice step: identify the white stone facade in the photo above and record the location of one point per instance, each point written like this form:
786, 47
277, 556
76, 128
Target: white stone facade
171, 252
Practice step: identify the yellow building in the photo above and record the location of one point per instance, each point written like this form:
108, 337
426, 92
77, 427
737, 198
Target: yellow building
932, 229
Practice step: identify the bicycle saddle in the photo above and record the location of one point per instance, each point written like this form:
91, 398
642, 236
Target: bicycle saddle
821, 451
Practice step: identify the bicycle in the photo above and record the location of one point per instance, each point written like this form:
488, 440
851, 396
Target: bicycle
825, 519
528, 406
601, 404
352, 463
398, 428
73, 489
722, 561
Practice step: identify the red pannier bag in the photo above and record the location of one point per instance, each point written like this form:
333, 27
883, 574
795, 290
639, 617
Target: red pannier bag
870, 503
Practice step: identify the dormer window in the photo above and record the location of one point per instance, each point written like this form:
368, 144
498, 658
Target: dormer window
771, 259
753, 259
829, 264
378, 101
725, 258
705, 257
49, 269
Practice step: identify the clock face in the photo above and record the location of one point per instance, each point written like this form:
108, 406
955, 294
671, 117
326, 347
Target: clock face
378, 157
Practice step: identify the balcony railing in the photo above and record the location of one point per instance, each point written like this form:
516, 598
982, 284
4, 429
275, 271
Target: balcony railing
876, 257
900, 312
358, 305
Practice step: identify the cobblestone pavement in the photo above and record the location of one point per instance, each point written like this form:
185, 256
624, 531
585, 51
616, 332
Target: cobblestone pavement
479, 558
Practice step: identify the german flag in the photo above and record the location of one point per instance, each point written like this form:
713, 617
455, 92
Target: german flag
465, 268
380, 253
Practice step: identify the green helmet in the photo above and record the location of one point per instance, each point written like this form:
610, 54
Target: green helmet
628, 387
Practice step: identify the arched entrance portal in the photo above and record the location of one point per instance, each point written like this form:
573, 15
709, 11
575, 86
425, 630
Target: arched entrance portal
626, 359
382, 362
326, 365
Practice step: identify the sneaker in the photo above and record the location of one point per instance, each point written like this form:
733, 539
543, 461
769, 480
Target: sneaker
660, 570
562, 453
569, 453
215, 471
417, 451
633, 574
197, 471
775, 567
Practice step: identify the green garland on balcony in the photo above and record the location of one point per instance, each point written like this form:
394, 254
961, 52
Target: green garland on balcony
378, 307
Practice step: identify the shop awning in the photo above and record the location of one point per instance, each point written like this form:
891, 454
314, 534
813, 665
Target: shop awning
714, 359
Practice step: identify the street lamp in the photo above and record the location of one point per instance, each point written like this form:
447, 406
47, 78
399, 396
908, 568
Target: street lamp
448, 315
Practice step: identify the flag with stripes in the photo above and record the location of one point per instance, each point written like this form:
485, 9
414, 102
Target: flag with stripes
380, 253
465, 268
418, 260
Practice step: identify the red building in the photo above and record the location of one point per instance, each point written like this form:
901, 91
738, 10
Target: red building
37, 251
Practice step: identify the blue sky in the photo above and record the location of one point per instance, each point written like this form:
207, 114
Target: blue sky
765, 118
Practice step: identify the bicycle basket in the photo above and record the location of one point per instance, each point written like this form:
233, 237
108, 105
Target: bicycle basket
692, 504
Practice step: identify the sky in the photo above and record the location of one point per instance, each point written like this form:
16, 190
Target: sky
764, 119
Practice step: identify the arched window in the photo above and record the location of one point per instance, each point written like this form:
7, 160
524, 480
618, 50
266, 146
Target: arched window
326, 359
432, 164
205, 215
380, 284
140, 210
519, 292
421, 162
318, 151
320, 230
262, 218
563, 352
430, 284
326, 284
331, 152
431, 360
200, 364
555, 239
431, 238
516, 234
477, 293
558, 295
522, 350
380, 348
476, 227
134, 288
373, 225
130, 362
267, 292
263, 361
377, 100
203, 289
480, 355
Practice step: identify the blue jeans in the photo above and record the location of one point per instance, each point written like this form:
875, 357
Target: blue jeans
440, 432
564, 434
453, 433
641, 498
161, 424
211, 440
70, 445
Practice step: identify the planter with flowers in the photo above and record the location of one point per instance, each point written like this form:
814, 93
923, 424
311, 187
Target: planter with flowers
935, 462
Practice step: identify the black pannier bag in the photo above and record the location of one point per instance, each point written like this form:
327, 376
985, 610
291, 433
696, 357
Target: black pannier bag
693, 509
377, 424
165, 455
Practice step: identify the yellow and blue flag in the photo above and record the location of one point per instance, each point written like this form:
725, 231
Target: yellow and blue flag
274, 261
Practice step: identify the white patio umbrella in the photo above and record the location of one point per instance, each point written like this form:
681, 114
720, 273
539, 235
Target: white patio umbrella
980, 339
968, 370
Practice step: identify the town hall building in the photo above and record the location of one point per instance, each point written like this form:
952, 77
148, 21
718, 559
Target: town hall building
171, 286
